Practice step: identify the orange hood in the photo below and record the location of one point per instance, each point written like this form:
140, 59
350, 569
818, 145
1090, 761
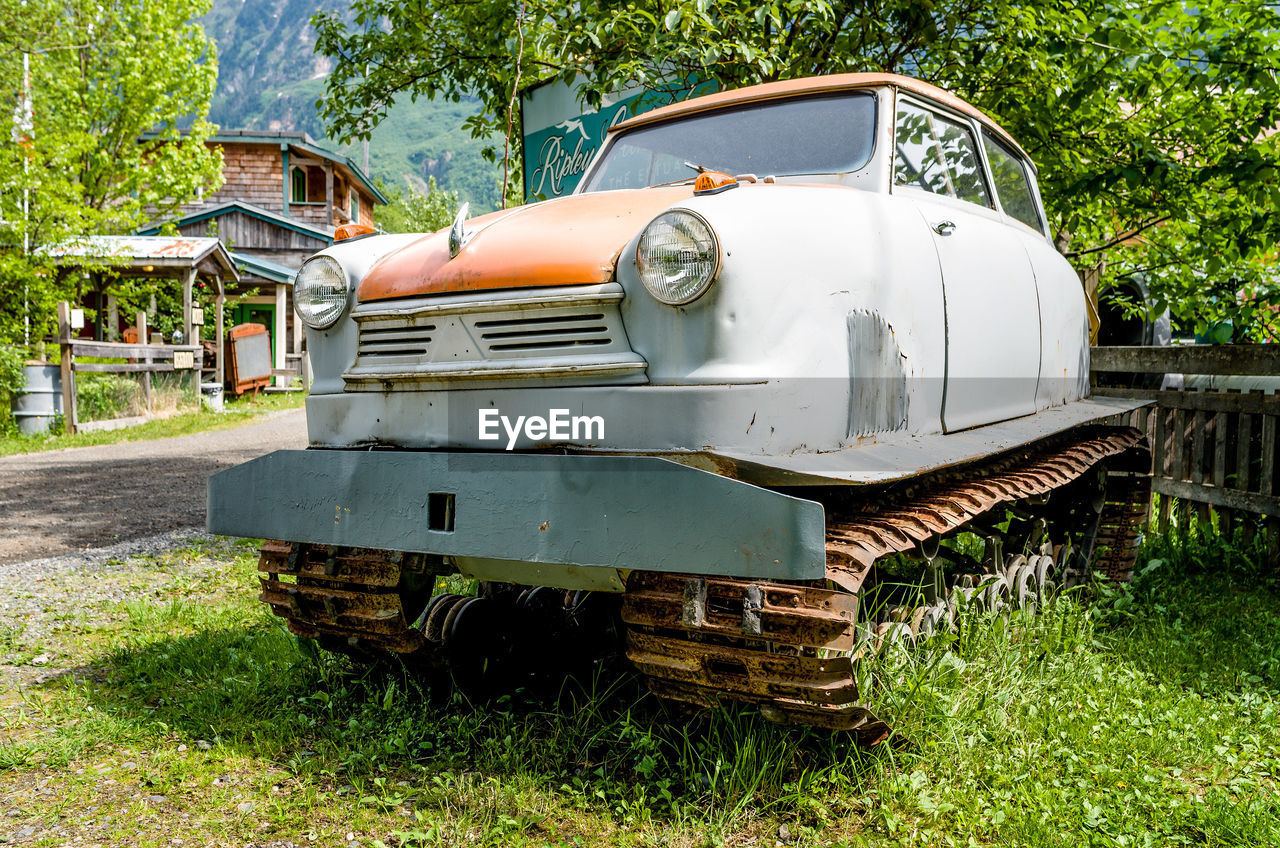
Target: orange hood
568, 241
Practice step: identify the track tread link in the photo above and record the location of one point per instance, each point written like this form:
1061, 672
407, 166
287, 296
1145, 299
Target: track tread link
703, 658
348, 598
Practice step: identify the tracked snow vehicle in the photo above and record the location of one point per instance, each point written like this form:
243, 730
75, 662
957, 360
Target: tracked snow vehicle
776, 338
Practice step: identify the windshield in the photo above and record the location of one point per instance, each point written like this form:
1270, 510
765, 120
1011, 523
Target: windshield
814, 135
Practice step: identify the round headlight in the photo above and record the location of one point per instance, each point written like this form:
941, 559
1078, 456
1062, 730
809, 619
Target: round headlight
320, 292
678, 257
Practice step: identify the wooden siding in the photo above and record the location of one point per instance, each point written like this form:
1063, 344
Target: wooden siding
317, 215
292, 259
366, 209
314, 211
245, 232
252, 173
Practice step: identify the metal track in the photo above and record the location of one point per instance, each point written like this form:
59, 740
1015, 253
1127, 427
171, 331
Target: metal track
791, 649
1124, 513
349, 599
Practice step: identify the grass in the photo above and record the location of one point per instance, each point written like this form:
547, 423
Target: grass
236, 412
1146, 717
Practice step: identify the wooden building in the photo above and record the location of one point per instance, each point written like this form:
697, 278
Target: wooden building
281, 198
291, 175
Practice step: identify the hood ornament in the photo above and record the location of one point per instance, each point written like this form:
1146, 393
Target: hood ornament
459, 235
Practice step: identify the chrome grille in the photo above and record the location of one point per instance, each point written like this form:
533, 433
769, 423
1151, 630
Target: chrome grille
561, 336
395, 341
553, 333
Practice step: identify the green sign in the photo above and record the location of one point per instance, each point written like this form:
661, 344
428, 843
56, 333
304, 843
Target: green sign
559, 142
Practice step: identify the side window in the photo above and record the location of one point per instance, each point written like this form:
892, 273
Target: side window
938, 155
1012, 185
298, 186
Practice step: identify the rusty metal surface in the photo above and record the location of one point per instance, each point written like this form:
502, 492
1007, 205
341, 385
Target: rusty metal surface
790, 648
367, 568
797, 615
567, 241
701, 640
867, 535
348, 597
1120, 527
855, 719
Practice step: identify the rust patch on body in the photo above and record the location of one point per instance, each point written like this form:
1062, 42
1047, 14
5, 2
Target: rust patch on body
568, 241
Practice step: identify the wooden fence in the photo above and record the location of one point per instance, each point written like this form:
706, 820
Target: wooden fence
144, 359
1214, 451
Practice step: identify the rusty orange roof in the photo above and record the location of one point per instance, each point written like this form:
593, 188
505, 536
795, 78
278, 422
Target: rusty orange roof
140, 251
814, 85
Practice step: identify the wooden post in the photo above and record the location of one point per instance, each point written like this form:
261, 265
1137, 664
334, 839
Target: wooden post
113, 318
1266, 482
288, 179
1199, 421
1244, 464
188, 282
1179, 456
68, 369
328, 192
279, 333
99, 311
146, 375
219, 303
1161, 466
1220, 468
1090, 278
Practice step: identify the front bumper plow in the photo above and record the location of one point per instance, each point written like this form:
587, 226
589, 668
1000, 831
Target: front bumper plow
628, 513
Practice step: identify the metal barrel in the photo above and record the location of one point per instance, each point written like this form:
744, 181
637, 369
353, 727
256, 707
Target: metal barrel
212, 395
35, 407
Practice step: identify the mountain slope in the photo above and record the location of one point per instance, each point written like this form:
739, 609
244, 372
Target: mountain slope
269, 78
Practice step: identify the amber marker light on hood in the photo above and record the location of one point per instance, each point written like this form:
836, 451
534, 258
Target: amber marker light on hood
713, 182
350, 231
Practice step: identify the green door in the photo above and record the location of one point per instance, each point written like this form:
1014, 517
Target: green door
257, 313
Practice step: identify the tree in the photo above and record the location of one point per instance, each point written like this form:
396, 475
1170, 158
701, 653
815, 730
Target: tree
1149, 121
110, 129
413, 211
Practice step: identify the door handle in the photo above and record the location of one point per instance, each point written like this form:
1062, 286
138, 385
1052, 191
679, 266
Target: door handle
944, 228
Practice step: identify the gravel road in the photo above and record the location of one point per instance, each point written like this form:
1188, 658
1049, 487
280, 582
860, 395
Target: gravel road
65, 501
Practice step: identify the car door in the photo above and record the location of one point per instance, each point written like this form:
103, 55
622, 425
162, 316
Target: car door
1064, 362
989, 288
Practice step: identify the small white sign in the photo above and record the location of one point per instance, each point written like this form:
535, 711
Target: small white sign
197, 316
77, 319
184, 360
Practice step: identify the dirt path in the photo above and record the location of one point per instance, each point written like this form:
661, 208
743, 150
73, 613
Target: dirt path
69, 500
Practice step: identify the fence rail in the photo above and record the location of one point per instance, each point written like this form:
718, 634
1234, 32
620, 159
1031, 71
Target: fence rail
1241, 360
1214, 451
153, 359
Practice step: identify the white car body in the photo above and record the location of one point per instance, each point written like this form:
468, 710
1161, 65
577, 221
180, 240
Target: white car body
855, 321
